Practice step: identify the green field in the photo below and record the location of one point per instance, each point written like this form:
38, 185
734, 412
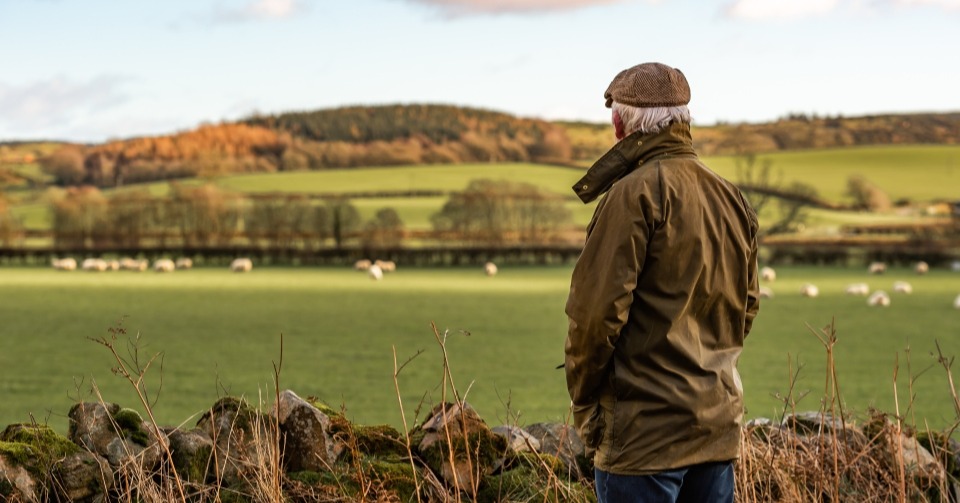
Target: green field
220, 333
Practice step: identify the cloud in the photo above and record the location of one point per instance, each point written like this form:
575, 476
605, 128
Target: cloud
55, 102
259, 10
761, 10
468, 7
944, 4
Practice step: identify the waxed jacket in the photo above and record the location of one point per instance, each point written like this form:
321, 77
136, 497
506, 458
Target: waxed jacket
661, 299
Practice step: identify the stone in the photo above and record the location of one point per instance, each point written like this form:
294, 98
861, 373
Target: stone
517, 438
457, 445
898, 446
244, 439
561, 440
307, 441
119, 435
192, 453
16, 482
83, 477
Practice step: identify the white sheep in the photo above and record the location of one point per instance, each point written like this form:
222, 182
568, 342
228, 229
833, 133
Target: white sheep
921, 267
956, 302
375, 272
362, 265
877, 268
857, 289
241, 265
902, 287
490, 269
94, 264
164, 265
65, 264
809, 290
184, 263
386, 265
113, 265
879, 298
768, 274
766, 292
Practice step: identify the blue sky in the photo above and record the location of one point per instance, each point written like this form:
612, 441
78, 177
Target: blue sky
90, 70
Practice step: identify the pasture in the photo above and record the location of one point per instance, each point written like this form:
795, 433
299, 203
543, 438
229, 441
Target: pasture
219, 333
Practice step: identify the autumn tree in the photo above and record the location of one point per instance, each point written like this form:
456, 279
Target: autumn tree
204, 215
501, 211
867, 195
65, 165
79, 217
130, 217
384, 230
9, 226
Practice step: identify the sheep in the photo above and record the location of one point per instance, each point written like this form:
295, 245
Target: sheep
955, 266
768, 274
902, 287
956, 302
65, 264
241, 265
375, 272
362, 265
766, 292
921, 267
877, 268
490, 269
184, 263
857, 289
164, 265
386, 265
94, 264
809, 290
879, 298
113, 265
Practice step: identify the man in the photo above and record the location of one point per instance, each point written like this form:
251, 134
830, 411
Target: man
660, 302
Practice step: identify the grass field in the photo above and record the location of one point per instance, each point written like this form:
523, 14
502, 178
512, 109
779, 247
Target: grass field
220, 333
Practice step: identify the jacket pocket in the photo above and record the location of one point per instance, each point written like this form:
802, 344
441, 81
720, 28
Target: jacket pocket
589, 421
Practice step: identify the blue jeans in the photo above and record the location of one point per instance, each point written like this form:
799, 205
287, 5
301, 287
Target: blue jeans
705, 483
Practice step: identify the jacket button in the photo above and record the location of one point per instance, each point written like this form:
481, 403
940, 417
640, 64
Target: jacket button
640, 142
584, 187
639, 162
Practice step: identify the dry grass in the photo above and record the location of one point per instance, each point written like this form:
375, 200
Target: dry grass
782, 461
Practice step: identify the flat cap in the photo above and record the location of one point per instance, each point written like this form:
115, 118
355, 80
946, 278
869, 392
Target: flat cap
649, 85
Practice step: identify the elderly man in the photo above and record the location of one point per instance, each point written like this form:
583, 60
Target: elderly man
660, 302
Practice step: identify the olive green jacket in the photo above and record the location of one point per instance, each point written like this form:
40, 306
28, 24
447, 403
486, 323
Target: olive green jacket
661, 299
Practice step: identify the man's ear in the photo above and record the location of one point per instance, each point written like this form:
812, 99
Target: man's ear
618, 124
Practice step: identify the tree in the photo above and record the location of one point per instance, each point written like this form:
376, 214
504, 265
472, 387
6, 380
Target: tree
79, 217
65, 165
867, 195
344, 220
9, 226
384, 230
761, 188
491, 211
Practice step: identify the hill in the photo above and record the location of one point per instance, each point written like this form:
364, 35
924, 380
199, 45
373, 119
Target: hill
391, 135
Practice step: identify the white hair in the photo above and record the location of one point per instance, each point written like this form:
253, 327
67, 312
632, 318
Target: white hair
650, 119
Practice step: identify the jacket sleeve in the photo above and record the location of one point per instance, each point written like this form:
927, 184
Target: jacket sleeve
602, 285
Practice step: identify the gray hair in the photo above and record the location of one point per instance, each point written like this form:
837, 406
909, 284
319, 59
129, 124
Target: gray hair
650, 120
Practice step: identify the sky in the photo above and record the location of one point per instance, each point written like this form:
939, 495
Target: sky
93, 70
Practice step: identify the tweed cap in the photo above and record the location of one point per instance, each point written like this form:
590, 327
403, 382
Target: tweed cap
649, 85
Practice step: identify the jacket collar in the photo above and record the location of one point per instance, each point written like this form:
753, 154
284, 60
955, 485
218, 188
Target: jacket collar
628, 154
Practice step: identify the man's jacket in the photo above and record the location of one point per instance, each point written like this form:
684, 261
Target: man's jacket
660, 302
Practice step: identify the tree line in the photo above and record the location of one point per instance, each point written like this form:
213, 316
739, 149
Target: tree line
487, 212
338, 138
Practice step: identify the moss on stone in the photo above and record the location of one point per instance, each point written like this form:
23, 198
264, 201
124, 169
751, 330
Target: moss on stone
394, 475
18, 454
34, 447
380, 440
193, 466
130, 426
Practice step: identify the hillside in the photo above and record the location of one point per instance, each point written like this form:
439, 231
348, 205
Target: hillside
391, 135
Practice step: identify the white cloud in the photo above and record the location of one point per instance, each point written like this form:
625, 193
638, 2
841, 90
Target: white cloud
466, 7
259, 10
760, 10
945, 4
56, 102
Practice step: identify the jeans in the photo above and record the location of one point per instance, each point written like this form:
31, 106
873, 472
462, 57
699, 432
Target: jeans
704, 483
